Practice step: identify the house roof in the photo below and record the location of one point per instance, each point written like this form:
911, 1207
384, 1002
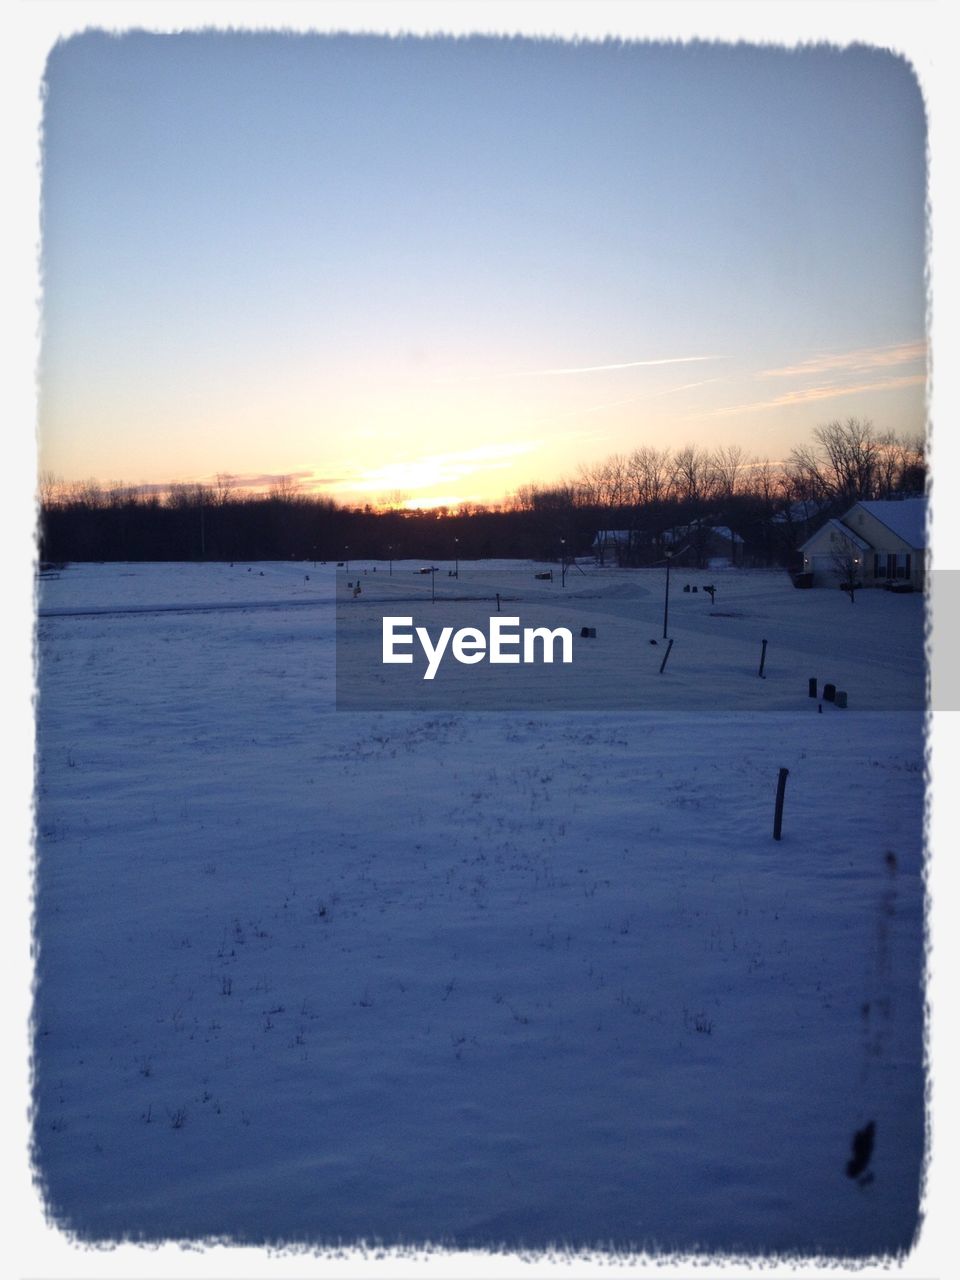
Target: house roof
907, 518
837, 526
722, 531
797, 512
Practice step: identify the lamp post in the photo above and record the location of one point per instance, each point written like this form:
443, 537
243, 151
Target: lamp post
390, 554
563, 562
346, 558
456, 553
666, 598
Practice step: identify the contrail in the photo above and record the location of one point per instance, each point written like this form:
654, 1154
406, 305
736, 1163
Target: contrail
603, 368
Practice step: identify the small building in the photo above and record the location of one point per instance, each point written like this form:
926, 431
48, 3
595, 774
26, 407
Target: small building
881, 543
611, 546
703, 546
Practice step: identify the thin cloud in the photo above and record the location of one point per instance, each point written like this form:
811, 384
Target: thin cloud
262, 479
604, 368
808, 395
852, 361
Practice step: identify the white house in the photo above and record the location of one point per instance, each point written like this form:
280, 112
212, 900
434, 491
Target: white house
883, 543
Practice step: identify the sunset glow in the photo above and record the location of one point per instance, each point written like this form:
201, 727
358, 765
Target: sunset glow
426, 272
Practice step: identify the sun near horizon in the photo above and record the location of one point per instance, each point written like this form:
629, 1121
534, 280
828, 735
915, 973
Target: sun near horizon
427, 272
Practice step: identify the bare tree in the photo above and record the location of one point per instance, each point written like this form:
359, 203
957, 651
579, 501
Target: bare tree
846, 564
223, 490
649, 471
728, 464
842, 464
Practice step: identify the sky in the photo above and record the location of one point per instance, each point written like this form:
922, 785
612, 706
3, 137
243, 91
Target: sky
438, 269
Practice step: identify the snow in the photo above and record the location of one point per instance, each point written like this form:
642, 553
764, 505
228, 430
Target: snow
522, 977
907, 518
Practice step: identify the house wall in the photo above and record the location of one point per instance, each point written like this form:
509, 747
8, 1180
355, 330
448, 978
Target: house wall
820, 552
828, 541
884, 541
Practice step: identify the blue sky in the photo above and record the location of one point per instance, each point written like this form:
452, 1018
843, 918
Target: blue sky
447, 267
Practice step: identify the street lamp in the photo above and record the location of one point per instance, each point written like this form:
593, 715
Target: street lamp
666, 598
390, 553
456, 553
563, 562
346, 558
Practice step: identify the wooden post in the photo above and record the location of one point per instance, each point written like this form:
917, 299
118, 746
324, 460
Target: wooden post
778, 811
763, 657
498, 602
666, 656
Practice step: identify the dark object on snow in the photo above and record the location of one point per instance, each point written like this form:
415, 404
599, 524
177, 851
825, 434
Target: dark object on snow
653, 642
813, 686
687, 587
803, 580
695, 588
862, 1150
588, 633
829, 692
763, 658
544, 577
778, 808
712, 591
841, 699
666, 656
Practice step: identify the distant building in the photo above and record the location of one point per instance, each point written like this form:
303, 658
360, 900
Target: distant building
611, 546
703, 546
882, 543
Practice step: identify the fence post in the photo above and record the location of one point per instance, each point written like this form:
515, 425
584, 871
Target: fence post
778, 811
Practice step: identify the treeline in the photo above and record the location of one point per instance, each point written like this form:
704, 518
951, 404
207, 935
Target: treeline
705, 502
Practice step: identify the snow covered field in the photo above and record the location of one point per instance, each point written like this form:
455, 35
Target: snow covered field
517, 978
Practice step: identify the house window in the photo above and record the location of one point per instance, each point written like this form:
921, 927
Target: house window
892, 565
